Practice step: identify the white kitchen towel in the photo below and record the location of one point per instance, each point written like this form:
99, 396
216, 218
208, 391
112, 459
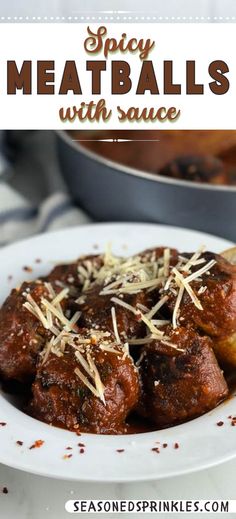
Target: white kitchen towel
33, 196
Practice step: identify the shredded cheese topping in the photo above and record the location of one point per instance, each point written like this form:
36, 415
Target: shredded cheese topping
115, 326
64, 331
120, 277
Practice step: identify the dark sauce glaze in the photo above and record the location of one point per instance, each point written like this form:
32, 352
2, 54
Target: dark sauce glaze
134, 424
59, 397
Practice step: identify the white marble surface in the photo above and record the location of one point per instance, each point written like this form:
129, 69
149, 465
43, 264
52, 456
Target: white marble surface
33, 497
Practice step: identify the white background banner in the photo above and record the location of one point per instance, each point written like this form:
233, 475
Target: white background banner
62, 42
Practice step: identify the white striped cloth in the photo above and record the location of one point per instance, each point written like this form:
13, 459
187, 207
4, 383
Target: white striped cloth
33, 197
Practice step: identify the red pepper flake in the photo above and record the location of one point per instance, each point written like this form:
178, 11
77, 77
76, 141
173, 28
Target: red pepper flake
230, 416
19, 442
38, 260
138, 317
37, 444
81, 445
5, 490
233, 423
68, 448
81, 451
27, 269
156, 449
176, 445
234, 418
67, 456
220, 423
120, 450
3, 424
165, 445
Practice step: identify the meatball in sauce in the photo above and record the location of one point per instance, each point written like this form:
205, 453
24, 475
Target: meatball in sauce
180, 381
98, 400
105, 339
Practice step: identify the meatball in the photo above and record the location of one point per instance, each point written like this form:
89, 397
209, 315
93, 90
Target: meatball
180, 385
157, 253
96, 305
216, 292
75, 274
199, 168
61, 397
96, 311
22, 334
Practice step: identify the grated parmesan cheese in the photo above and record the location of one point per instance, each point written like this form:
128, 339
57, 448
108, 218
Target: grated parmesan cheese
114, 323
117, 277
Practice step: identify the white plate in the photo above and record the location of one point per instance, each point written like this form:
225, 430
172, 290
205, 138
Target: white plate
201, 442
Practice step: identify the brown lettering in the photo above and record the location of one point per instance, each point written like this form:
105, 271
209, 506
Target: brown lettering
121, 82
44, 77
169, 86
217, 69
191, 86
70, 79
147, 79
87, 111
96, 68
97, 42
134, 113
19, 80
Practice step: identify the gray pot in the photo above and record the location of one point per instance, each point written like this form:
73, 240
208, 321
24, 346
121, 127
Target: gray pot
109, 191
